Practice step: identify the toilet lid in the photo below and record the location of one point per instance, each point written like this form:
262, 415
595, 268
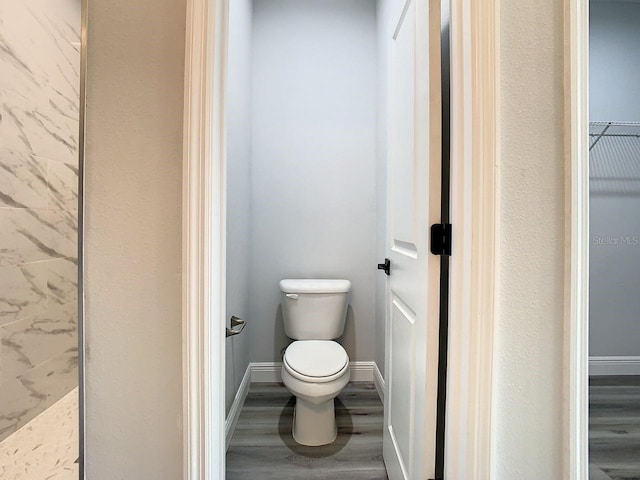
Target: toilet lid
316, 358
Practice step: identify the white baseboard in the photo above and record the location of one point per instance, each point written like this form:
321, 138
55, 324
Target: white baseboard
362, 371
266, 372
234, 414
618, 365
378, 381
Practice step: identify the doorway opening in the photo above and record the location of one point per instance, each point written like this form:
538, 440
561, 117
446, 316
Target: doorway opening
331, 167
614, 260
406, 134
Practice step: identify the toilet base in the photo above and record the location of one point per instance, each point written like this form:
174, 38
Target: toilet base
314, 425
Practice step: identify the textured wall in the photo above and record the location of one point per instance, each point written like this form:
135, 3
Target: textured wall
39, 91
313, 161
528, 350
238, 189
133, 199
614, 316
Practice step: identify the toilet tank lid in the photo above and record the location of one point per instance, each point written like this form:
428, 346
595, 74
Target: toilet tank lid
314, 285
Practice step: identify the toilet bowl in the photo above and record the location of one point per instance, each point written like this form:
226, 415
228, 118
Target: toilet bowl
315, 371
315, 368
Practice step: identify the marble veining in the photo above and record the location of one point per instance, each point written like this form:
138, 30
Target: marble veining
39, 58
62, 180
31, 393
39, 132
30, 342
23, 180
45, 448
28, 236
23, 291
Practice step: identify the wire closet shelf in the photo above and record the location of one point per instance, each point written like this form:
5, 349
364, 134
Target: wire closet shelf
614, 158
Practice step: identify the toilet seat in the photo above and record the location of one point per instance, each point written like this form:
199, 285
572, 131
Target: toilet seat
316, 361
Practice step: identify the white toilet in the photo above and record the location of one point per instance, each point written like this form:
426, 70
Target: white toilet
315, 368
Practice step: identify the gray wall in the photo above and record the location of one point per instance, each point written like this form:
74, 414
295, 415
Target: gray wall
238, 189
615, 210
133, 199
383, 34
614, 61
313, 161
39, 93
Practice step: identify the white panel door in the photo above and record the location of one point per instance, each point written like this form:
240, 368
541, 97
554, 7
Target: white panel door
414, 166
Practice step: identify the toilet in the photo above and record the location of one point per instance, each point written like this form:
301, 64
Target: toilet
315, 368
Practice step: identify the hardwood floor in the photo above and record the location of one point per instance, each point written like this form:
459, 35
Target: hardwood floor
614, 428
262, 446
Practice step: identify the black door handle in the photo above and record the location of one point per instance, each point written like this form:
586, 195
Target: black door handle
386, 266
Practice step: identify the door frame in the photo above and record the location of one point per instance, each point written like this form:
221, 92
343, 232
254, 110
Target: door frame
475, 207
203, 240
576, 339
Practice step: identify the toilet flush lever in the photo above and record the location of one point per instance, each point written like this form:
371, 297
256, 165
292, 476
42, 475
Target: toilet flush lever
386, 266
292, 296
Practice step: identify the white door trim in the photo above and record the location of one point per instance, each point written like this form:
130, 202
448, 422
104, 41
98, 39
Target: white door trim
204, 240
475, 86
576, 341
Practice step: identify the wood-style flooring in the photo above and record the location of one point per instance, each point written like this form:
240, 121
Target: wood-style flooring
262, 446
614, 428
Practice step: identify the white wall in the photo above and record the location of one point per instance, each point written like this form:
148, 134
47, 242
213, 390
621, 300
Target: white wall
527, 422
614, 96
238, 189
313, 161
133, 250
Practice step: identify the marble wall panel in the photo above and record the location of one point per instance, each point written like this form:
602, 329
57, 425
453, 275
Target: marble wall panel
62, 180
28, 395
64, 232
30, 125
23, 180
28, 236
62, 281
28, 343
23, 291
39, 131
40, 60
32, 182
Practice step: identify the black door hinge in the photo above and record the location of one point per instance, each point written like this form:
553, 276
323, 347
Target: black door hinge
441, 234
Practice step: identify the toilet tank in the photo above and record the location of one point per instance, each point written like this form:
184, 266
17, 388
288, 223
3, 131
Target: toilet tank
314, 309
